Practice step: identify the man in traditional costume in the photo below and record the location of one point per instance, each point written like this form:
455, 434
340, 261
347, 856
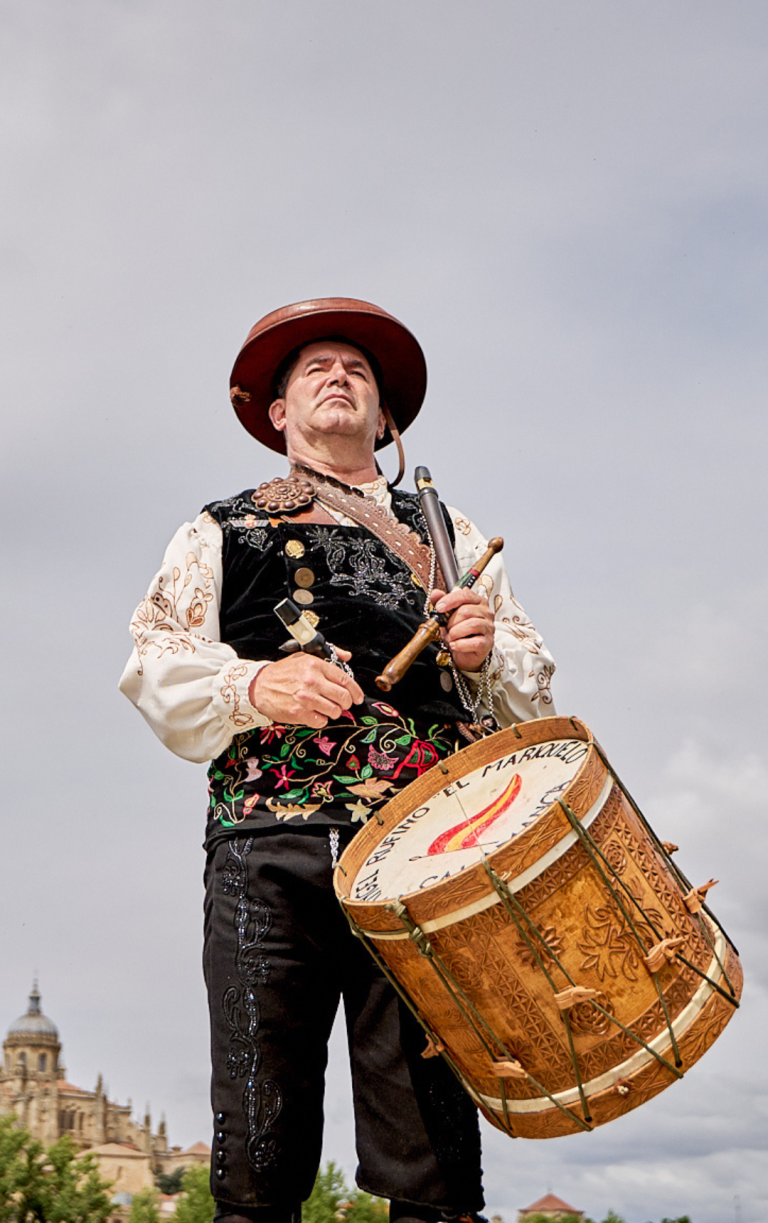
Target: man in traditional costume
304, 749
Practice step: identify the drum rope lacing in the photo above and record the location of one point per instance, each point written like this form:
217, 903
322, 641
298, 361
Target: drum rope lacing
510, 902
465, 1005
432, 1037
682, 879
515, 910
594, 852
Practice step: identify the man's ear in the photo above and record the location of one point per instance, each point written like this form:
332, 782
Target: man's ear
277, 414
380, 428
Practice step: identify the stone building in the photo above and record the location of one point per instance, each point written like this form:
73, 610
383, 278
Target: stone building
34, 1086
550, 1207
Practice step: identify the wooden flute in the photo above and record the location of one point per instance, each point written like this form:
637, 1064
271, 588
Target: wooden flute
429, 631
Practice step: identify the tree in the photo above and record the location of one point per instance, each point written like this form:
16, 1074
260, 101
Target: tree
198, 1204
366, 1209
542, 1218
144, 1207
12, 1142
331, 1201
39, 1186
170, 1182
328, 1192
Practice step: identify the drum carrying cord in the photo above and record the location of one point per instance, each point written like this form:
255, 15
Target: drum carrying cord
459, 998
682, 879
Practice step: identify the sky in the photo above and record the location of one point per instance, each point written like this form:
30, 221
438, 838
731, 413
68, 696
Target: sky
568, 205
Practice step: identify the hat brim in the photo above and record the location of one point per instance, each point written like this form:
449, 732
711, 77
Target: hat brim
398, 352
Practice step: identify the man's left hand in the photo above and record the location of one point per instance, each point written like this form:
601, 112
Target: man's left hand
469, 631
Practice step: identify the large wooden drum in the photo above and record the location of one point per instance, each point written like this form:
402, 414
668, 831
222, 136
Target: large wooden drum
554, 953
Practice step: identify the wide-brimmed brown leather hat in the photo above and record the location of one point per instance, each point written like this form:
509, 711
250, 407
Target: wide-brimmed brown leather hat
401, 361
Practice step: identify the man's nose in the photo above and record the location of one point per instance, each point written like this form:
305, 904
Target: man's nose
337, 373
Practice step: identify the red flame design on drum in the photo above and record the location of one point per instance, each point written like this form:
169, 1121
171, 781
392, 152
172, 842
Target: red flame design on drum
466, 834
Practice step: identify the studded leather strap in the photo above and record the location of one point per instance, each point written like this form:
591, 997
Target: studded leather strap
395, 535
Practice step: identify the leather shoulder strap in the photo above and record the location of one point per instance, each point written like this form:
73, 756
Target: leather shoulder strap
395, 535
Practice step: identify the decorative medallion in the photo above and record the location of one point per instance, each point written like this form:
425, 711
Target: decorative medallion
304, 577
446, 680
615, 857
305, 597
313, 618
553, 941
586, 1020
295, 549
284, 496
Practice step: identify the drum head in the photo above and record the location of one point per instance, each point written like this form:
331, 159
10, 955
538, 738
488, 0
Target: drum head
468, 819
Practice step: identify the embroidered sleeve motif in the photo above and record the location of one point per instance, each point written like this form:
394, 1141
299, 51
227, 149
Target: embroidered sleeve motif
189, 685
180, 600
232, 694
521, 665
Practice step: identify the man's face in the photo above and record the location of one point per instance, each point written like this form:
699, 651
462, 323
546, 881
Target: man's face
331, 391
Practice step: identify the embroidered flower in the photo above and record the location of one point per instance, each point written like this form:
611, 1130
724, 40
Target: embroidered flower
353, 762
322, 789
268, 733
325, 744
252, 770
374, 787
360, 811
380, 761
284, 774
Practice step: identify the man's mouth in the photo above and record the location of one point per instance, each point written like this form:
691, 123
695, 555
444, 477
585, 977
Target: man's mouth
343, 398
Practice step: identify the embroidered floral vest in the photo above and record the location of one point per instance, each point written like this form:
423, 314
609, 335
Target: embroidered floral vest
365, 600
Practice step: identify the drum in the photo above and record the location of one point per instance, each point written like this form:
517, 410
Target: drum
553, 952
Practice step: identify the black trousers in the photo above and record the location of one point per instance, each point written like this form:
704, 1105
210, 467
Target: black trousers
278, 955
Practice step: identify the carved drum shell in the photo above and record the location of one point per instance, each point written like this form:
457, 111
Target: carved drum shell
486, 999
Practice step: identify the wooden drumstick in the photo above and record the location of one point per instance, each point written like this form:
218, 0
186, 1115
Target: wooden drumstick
429, 631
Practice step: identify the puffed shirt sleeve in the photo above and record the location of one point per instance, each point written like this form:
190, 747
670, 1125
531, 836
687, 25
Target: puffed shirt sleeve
191, 687
521, 666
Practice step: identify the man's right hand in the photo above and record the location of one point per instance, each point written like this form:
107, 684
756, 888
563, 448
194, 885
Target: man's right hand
304, 690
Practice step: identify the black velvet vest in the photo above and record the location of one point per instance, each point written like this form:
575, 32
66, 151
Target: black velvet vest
367, 602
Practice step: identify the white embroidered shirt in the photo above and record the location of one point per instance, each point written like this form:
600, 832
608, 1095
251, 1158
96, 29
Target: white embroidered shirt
192, 688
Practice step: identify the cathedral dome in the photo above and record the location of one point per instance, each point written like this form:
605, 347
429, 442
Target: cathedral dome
34, 1023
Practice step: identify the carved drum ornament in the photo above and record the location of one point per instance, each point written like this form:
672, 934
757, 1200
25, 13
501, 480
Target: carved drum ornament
555, 955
